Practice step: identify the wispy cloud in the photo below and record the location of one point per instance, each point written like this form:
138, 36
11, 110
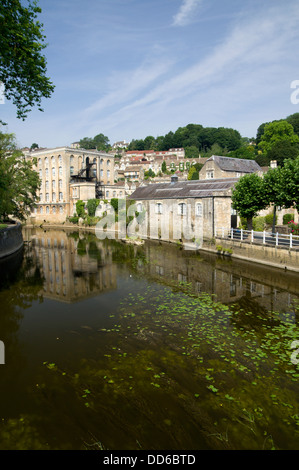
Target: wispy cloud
243, 59
183, 16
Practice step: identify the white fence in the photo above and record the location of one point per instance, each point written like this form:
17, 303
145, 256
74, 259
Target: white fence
266, 238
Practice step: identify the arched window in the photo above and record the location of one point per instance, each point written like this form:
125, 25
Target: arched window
41, 209
60, 197
159, 208
53, 171
72, 170
108, 163
54, 210
47, 172
47, 210
53, 197
60, 171
39, 162
60, 159
61, 209
199, 209
47, 197
60, 184
46, 161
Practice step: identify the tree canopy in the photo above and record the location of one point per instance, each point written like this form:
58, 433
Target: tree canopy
278, 131
19, 182
248, 197
22, 65
99, 142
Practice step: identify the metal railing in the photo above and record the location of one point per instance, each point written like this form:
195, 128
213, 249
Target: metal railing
266, 238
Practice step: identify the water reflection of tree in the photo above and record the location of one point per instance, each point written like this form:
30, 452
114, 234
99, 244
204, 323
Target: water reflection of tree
20, 285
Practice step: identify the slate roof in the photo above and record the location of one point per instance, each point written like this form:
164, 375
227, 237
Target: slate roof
184, 189
241, 165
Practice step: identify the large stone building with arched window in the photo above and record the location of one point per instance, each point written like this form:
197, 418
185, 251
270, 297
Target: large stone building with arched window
67, 175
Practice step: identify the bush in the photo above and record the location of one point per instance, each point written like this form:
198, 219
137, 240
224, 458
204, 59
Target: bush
269, 219
258, 224
74, 219
287, 218
92, 205
80, 208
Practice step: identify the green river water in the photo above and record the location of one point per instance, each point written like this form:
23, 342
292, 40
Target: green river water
116, 346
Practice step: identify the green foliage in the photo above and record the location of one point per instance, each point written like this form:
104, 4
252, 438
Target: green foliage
22, 65
149, 174
114, 204
248, 197
80, 208
194, 138
99, 142
275, 132
92, 205
164, 167
74, 219
19, 182
287, 218
269, 219
258, 224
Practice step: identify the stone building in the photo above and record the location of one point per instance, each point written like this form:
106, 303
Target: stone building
185, 210
226, 167
68, 174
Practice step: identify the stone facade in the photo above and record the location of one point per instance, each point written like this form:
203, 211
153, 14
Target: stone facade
187, 210
68, 174
225, 167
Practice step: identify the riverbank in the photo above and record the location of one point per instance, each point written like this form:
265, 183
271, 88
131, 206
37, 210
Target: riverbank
11, 240
276, 257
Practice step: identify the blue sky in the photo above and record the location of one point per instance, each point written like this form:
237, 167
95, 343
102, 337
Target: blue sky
133, 68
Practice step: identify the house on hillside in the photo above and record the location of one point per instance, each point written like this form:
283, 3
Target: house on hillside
217, 167
185, 210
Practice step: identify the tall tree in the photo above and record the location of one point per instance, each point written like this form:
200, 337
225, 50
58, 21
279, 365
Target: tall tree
19, 182
22, 65
248, 197
275, 132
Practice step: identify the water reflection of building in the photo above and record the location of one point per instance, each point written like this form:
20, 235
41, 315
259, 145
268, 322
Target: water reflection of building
74, 267
228, 281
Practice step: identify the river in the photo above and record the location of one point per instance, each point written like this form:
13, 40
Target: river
116, 346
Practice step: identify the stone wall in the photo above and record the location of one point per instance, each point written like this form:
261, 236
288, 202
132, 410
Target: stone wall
11, 240
268, 255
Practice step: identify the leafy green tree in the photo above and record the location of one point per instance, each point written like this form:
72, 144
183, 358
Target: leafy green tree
101, 142
294, 120
19, 182
248, 197
283, 150
34, 146
22, 65
92, 205
164, 166
87, 143
275, 132
289, 183
191, 152
80, 208
247, 153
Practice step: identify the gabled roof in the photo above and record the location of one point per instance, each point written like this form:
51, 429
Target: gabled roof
184, 189
241, 165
